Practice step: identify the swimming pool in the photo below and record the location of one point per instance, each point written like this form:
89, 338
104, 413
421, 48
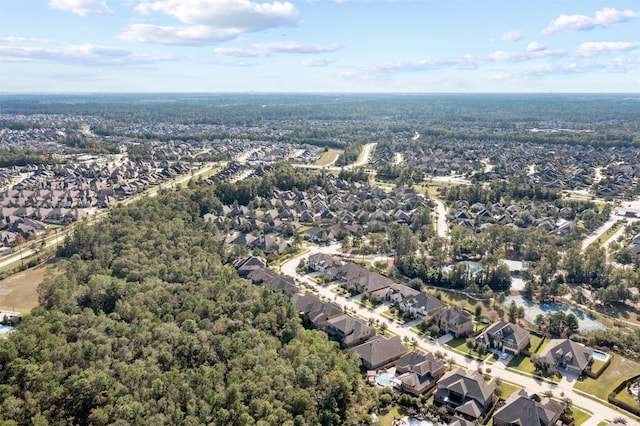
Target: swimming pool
417, 422
531, 310
4, 329
600, 356
384, 379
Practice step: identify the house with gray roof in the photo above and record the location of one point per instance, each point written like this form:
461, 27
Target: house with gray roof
320, 262
567, 354
380, 351
419, 371
348, 330
465, 393
505, 336
522, 409
421, 305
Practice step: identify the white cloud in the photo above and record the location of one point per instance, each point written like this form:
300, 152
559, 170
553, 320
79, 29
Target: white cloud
25, 40
82, 7
292, 47
316, 62
511, 36
600, 48
534, 51
237, 52
602, 18
84, 54
267, 49
534, 46
180, 35
209, 21
502, 56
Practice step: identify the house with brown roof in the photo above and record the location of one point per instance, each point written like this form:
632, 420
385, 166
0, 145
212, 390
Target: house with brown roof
419, 371
314, 311
348, 330
522, 409
380, 351
455, 321
465, 393
567, 354
505, 336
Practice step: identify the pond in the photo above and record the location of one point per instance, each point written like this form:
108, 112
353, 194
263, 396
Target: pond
532, 310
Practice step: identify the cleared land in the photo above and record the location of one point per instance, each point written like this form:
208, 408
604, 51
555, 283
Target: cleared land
19, 292
328, 157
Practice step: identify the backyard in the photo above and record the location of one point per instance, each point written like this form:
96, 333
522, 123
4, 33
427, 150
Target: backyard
619, 370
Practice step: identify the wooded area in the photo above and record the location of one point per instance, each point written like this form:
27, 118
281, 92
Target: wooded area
146, 325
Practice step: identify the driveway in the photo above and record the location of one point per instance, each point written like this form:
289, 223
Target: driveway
601, 411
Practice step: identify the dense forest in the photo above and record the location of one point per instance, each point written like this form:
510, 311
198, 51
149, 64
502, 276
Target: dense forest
145, 324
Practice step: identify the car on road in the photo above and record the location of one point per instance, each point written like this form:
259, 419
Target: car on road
504, 355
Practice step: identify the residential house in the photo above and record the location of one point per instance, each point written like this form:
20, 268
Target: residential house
421, 305
505, 336
320, 262
522, 409
282, 283
247, 264
348, 330
455, 321
465, 393
419, 371
457, 421
361, 280
316, 234
314, 311
567, 354
380, 351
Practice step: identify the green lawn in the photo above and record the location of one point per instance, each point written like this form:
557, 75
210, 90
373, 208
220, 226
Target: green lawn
579, 416
460, 345
522, 363
619, 370
394, 413
507, 388
535, 341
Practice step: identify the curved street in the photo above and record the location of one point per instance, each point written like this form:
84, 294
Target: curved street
601, 410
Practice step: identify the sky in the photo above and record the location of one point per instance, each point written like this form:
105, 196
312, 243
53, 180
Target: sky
408, 46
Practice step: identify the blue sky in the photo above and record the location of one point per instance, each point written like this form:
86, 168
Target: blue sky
319, 46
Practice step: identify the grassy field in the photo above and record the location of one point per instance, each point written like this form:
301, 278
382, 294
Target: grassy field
19, 292
394, 413
580, 416
534, 342
619, 370
328, 157
507, 388
522, 363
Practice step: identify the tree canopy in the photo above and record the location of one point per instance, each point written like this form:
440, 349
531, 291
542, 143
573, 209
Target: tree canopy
146, 324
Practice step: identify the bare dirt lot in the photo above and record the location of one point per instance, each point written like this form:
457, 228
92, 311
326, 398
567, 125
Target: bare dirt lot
19, 292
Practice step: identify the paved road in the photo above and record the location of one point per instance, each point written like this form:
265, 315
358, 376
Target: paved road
600, 411
367, 150
441, 223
